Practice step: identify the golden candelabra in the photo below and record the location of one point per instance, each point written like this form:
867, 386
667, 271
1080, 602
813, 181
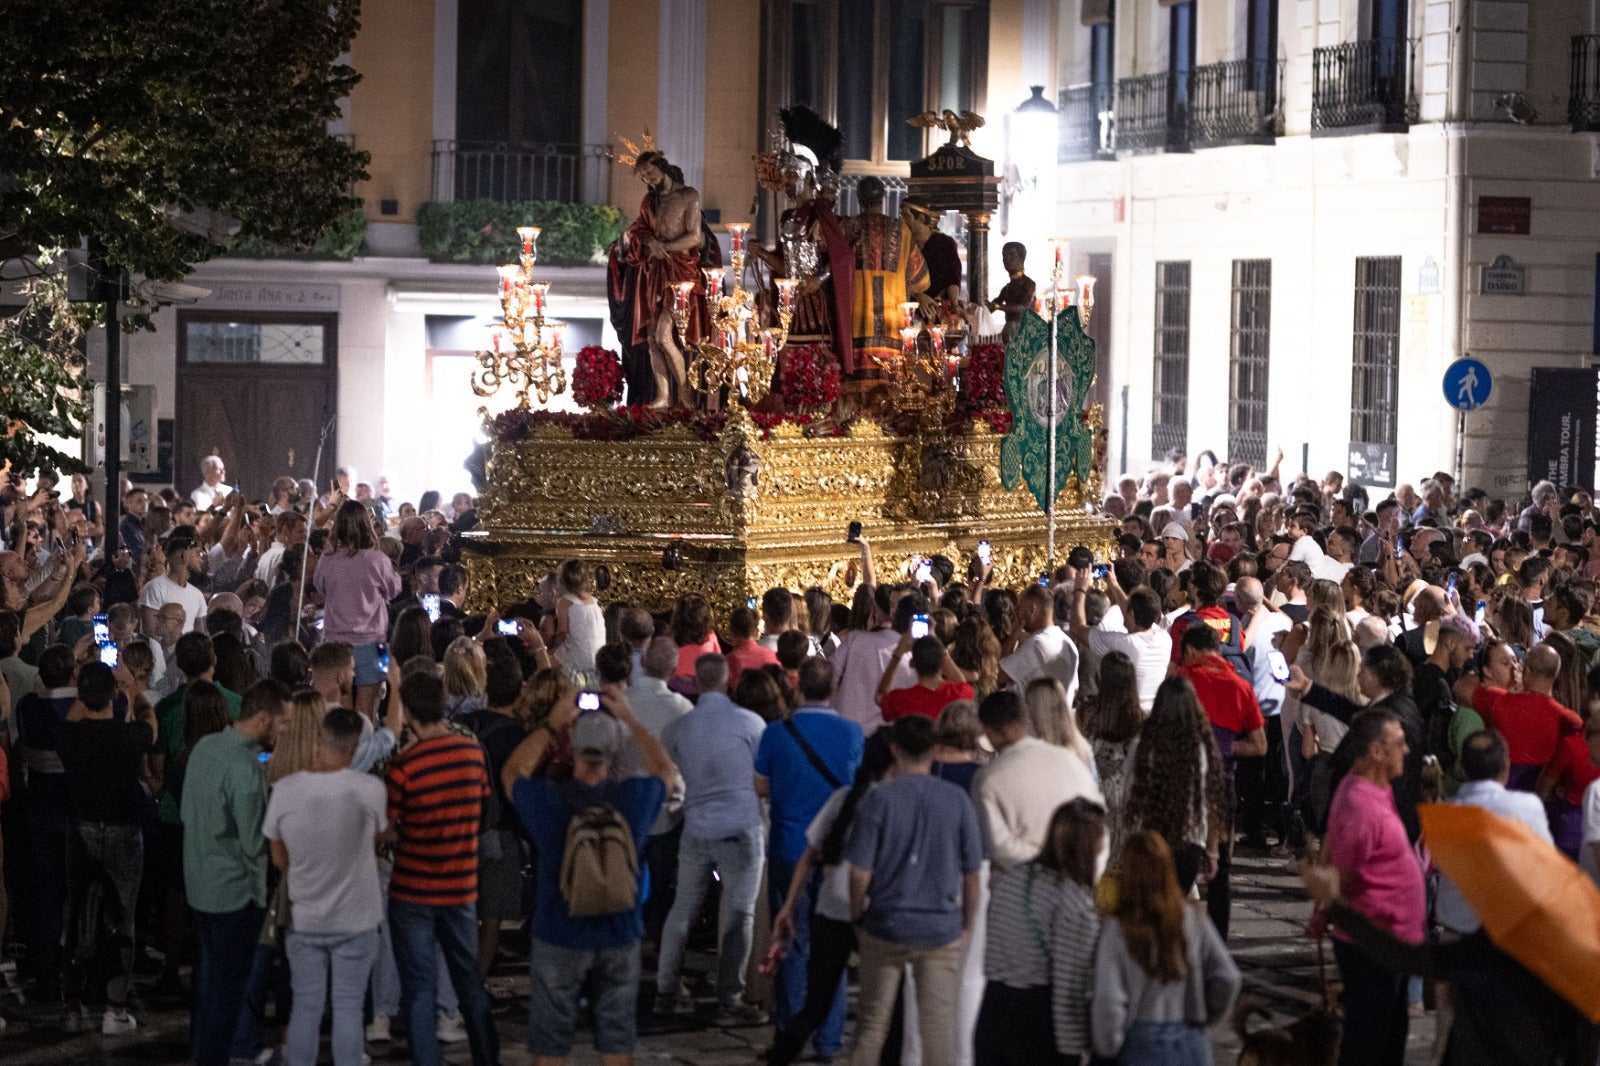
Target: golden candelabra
740, 354
534, 359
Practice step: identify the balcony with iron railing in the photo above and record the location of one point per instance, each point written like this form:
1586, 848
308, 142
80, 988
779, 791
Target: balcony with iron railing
1086, 123
1152, 113
1363, 87
1583, 101
1237, 102
565, 173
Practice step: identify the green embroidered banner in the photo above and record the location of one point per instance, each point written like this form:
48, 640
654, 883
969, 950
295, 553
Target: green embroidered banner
1025, 452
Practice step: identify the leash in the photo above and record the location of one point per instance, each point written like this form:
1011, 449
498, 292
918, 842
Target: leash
1322, 974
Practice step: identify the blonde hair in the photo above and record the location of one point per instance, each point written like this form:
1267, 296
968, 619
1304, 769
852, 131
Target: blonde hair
958, 726
298, 733
1051, 718
466, 670
1338, 670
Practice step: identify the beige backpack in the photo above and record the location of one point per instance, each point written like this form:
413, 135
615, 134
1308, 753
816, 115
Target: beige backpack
599, 865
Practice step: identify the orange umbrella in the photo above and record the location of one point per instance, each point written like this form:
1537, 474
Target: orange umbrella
1535, 904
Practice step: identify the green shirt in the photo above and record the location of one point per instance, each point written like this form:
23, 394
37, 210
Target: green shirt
169, 741
1463, 724
224, 802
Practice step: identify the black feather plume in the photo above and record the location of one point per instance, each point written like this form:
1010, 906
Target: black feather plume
804, 126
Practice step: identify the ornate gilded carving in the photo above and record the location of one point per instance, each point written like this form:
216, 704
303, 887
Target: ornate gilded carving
749, 513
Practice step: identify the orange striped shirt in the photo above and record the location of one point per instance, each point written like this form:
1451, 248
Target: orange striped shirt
436, 794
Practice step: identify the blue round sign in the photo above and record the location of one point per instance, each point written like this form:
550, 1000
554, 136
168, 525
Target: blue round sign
1466, 384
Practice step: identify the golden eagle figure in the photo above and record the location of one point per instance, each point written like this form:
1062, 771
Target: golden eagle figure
959, 125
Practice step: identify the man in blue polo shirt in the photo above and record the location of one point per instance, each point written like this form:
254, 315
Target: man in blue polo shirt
802, 760
569, 956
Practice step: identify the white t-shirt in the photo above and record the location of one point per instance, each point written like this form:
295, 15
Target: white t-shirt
1047, 653
1150, 651
162, 590
1329, 568
329, 822
207, 496
833, 895
267, 568
1591, 832
859, 663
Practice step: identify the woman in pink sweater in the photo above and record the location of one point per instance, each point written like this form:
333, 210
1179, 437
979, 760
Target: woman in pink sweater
357, 581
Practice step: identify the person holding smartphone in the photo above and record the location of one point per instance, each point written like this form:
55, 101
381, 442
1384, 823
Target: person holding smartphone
939, 683
357, 581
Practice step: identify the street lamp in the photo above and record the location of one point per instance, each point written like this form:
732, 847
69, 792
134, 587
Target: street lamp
1033, 133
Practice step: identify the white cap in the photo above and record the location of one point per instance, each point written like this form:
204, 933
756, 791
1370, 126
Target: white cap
1174, 531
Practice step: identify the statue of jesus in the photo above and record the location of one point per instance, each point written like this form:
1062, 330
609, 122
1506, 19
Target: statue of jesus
663, 246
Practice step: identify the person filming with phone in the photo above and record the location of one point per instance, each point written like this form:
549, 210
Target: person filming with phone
940, 681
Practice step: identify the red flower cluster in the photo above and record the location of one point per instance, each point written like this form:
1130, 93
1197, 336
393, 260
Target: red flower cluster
810, 425
617, 424
808, 379
597, 377
983, 379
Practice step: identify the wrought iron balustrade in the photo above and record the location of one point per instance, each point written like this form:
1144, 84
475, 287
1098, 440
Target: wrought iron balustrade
1237, 102
1153, 113
567, 173
1086, 122
1583, 101
1363, 86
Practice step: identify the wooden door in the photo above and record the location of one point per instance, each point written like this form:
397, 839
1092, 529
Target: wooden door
256, 390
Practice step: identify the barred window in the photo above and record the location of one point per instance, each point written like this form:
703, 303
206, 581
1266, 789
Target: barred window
1375, 358
1249, 351
1170, 387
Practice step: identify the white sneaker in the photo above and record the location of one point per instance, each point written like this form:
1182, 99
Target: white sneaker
378, 1030
451, 1030
115, 1023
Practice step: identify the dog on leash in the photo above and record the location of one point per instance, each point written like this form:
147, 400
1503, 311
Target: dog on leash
1310, 1040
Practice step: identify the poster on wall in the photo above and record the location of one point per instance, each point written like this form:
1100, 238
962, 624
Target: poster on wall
1564, 426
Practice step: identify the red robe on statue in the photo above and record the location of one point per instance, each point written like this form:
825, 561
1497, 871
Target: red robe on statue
654, 292
842, 268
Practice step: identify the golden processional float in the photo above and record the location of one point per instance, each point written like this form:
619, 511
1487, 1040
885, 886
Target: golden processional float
728, 496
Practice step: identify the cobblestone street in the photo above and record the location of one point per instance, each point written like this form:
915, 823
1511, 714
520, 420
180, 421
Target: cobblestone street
1269, 915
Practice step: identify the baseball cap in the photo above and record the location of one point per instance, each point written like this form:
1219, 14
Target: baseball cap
1175, 531
597, 735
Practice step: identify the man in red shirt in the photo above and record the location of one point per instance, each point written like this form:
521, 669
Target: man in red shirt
939, 681
1230, 705
1208, 584
1532, 722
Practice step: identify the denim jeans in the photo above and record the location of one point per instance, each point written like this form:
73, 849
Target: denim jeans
312, 956
386, 976
1165, 1044
420, 932
789, 984
826, 962
103, 869
227, 948
739, 860
609, 977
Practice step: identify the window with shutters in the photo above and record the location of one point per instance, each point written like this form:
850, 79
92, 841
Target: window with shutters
1249, 351
1375, 351
1170, 385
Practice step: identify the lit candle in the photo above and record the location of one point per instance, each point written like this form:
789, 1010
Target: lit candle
908, 335
682, 291
1086, 289
936, 337
736, 234
766, 343
529, 234
786, 291
907, 310
713, 282
556, 330
495, 336
1061, 244
508, 274
539, 290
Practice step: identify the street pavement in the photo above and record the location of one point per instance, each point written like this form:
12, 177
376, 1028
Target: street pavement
1267, 939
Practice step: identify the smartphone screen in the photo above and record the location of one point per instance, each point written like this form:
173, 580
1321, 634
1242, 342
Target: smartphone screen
852, 532
923, 571
264, 757
1044, 580
507, 627
108, 653
383, 657
1100, 571
430, 603
985, 553
588, 701
1399, 551
919, 626
1482, 612
751, 603
1450, 583
102, 631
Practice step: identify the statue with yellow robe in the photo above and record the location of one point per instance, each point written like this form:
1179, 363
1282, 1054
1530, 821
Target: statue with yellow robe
889, 270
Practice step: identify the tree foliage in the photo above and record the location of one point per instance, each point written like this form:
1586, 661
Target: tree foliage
43, 391
113, 114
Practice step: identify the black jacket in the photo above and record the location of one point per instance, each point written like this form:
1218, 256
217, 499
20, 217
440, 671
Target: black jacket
1408, 786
